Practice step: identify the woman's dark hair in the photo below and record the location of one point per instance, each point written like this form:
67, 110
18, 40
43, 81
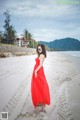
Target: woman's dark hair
43, 50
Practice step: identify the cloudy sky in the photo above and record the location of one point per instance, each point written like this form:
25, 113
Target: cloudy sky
47, 20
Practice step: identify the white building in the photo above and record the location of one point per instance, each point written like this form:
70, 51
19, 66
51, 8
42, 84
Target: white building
21, 42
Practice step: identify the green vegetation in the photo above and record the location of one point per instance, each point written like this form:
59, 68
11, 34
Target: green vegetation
9, 31
7, 44
9, 34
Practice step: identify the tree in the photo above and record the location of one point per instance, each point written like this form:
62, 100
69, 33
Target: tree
28, 37
1, 36
31, 41
9, 32
26, 34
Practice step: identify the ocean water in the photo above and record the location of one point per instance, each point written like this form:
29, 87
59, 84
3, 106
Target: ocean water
72, 53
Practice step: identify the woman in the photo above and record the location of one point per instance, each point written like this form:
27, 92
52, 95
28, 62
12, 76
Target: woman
39, 86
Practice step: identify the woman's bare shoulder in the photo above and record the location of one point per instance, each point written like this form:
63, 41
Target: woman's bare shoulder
42, 56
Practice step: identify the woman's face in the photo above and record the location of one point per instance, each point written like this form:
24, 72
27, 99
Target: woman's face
39, 49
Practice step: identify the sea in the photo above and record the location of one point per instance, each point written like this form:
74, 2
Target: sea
72, 53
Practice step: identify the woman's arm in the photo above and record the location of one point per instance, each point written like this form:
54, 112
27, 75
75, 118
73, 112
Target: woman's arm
41, 63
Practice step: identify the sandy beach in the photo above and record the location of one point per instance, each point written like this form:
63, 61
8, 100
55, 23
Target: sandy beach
63, 76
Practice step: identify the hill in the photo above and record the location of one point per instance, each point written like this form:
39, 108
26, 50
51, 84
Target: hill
65, 44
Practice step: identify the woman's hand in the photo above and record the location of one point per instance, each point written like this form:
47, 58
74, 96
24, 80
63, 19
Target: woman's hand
35, 74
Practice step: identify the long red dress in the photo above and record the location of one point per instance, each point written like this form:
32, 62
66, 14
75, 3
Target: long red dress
39, 86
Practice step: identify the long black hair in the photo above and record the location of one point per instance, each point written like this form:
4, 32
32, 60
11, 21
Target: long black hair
43, 50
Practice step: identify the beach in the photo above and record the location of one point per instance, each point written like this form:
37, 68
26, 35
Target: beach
62, 72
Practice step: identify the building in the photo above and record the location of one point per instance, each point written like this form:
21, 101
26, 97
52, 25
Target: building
21, 42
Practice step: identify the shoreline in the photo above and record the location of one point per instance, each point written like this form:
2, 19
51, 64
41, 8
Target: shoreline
13, 51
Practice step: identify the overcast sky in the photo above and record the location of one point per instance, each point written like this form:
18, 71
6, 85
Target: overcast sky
47, 20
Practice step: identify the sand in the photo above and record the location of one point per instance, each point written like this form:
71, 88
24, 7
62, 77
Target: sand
63, 76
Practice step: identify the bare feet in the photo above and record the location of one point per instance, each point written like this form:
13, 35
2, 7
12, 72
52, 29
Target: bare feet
40, 108
43, 111
43, 108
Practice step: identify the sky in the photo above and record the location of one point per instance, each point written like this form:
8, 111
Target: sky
47, 20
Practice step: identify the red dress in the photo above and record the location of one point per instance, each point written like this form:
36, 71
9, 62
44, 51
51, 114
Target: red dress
39, 86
